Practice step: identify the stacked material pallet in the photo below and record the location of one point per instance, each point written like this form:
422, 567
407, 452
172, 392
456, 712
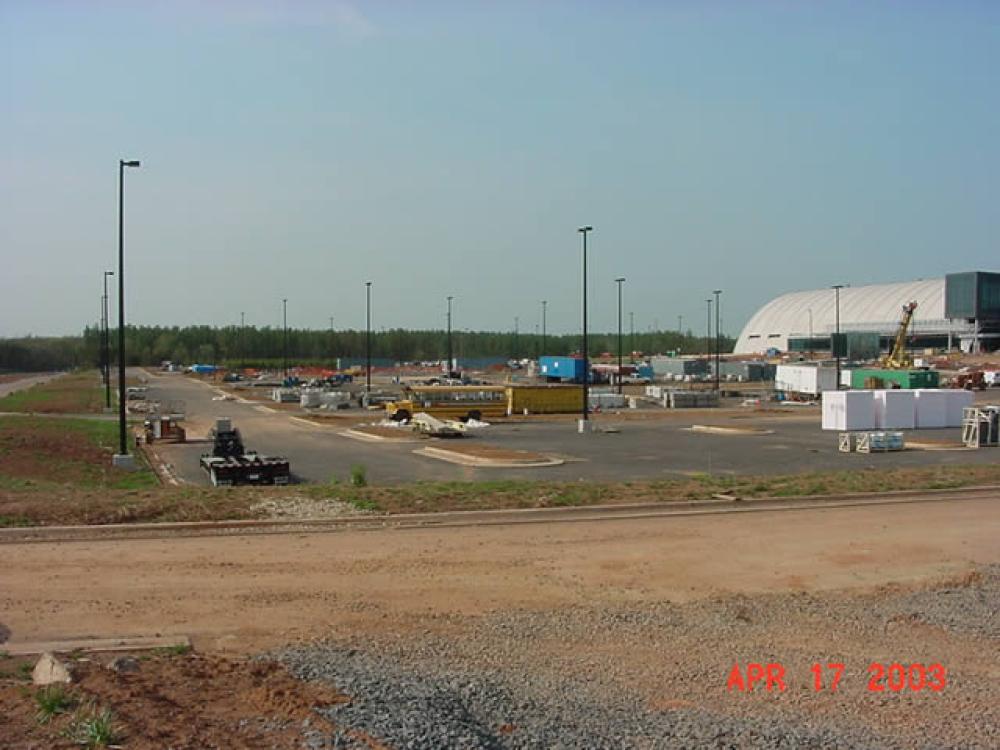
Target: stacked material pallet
848, 410
981, 426
871, 442
690, 399
929, 408
895, 410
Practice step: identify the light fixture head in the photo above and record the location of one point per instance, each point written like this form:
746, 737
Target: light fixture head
130, 163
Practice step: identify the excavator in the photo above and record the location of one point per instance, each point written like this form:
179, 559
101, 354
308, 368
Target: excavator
898, 358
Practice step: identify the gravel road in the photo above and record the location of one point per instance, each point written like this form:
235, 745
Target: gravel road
654, 675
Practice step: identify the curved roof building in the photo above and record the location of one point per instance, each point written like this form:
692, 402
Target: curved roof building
876, 308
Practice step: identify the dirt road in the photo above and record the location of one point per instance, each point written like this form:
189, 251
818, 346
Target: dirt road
245, 593
20, 382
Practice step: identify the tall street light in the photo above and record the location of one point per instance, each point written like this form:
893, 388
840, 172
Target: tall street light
583, 348
708, 331
449, 336
619, 282
718, 337
333, 341
106, 343
284, 326
517, 330
122, 426
545, 304
835, 345
368, 337
243, 340
631, 332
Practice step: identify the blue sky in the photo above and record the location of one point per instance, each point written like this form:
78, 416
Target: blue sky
297, 149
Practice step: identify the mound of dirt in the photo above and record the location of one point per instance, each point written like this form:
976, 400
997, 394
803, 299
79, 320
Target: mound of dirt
176, 701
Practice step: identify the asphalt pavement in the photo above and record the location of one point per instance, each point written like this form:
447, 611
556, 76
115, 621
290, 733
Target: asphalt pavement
633, 450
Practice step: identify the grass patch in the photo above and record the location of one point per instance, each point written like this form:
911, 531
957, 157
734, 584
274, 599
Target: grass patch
75, 393
52, 700
93, 728
75, 504
178, 649
40, 453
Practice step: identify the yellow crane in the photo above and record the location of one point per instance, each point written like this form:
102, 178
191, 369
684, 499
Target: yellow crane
898, 358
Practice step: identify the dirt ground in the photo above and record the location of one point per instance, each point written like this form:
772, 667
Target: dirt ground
240, 593
656, 609
181, 701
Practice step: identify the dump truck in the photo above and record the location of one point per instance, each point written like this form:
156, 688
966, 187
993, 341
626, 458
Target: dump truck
230, 463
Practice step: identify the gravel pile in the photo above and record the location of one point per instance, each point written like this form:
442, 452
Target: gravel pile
653, 676
304, 508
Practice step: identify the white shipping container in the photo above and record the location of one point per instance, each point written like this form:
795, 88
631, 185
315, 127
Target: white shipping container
847, 411
895, 410
845, 378
932, 408
805, 379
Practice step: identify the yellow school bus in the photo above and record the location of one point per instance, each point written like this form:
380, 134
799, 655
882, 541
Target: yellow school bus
450, 402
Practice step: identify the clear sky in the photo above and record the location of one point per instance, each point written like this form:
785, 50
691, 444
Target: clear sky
297, 149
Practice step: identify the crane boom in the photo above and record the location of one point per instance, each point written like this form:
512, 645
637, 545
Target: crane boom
898, 358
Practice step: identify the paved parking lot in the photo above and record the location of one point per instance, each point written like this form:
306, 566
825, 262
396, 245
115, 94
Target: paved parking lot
636, 449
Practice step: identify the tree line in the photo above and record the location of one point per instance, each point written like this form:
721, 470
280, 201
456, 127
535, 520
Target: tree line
252, 346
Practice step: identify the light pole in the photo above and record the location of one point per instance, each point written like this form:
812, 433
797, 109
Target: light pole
333, 341
631, 331
122, 426
835, 345
583, 349
368, 337
718, 337
708, 330
619, 282
284, 324
449, 337
545, 304
810, 310
106, 343
517, 328
243, 340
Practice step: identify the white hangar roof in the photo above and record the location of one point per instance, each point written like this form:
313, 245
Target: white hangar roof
877, 307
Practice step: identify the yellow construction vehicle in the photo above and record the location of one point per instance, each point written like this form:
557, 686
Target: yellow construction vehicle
898, 358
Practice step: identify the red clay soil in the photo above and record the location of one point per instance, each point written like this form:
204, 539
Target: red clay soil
29, 451
389, 433
184, 702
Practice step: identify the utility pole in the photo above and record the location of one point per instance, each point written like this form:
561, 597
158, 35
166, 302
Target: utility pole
836, 341
122, 424
368, 337
449, 337
284, 323
718, 338
619, 282
106, 343
583, 349
544, 305
708, 331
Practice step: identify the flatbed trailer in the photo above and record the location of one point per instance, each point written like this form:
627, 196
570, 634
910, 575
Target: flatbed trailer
250, 468
230, 464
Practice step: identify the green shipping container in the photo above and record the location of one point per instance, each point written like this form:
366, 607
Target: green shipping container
906, 379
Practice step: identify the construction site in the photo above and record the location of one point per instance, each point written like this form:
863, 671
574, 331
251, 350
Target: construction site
499, 376
432, 556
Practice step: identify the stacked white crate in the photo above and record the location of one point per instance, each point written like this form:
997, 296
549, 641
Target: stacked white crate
932, 408
848, 411
895, 410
